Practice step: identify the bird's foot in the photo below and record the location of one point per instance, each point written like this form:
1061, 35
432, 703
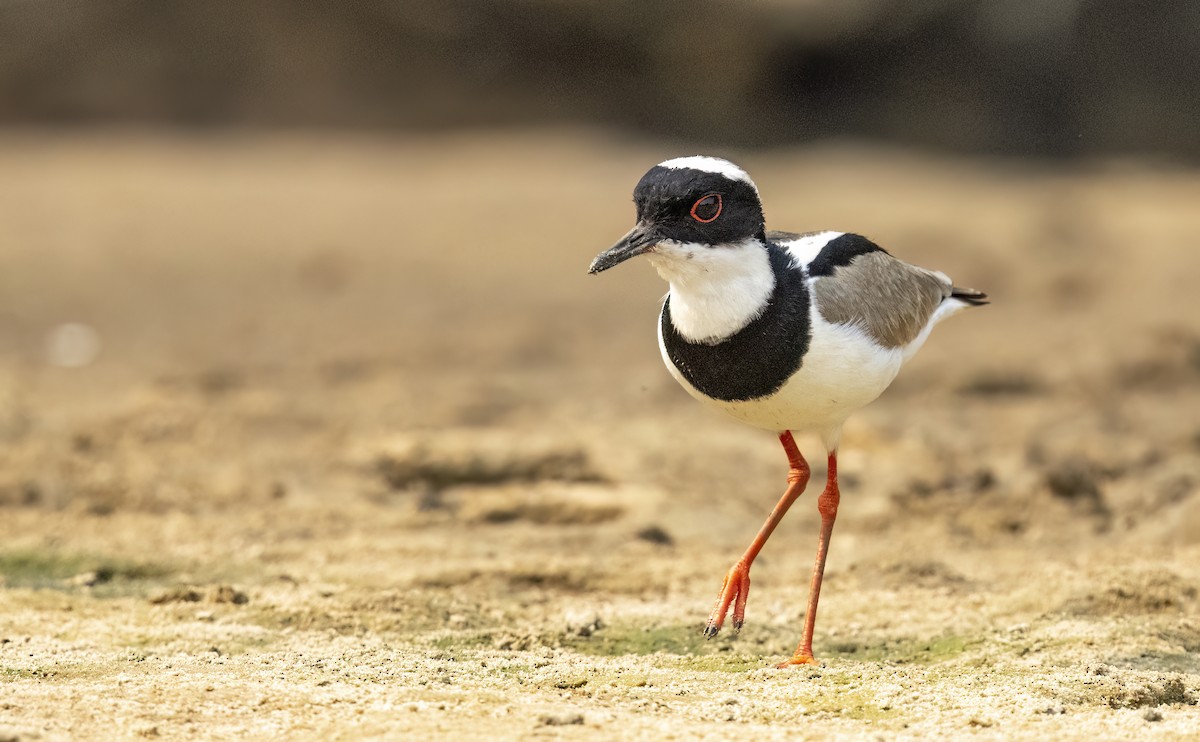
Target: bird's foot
800, 658
734, 591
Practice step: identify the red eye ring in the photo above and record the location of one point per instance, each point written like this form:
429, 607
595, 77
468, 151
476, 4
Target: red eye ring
704, 200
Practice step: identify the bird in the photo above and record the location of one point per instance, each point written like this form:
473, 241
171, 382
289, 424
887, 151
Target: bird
787, 332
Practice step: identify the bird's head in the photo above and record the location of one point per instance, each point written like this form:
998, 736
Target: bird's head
685, 208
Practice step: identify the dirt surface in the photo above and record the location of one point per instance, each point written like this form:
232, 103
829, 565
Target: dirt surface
348, 444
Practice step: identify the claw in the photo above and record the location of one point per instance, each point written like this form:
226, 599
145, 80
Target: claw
734, 591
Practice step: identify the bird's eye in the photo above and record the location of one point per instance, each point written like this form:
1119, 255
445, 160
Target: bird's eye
707, 208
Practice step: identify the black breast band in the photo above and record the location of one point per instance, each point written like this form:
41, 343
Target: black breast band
758, 359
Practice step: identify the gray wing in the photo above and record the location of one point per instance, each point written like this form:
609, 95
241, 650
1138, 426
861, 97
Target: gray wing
889, 299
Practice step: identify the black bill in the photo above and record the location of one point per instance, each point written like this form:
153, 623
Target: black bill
637, 241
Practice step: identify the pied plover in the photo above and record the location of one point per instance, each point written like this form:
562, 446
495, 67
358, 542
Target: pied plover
786, 332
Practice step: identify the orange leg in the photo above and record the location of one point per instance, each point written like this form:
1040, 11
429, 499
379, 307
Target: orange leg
827, 505
736, 587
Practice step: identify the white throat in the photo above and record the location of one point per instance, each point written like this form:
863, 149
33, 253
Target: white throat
716, 290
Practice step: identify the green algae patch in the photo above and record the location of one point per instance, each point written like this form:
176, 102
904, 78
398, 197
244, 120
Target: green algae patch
464, 640
104, 576
903, 651
9, 674
683, 646
848, 705
727, 662
626, 639
56, 671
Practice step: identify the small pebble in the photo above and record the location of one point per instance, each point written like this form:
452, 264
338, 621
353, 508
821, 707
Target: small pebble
656, 535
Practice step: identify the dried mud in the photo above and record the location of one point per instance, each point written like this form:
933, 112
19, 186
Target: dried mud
365, 453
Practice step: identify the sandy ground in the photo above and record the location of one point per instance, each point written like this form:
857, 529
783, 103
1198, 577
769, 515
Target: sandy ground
364, 452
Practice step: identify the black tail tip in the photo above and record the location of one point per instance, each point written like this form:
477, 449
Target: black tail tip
969, 296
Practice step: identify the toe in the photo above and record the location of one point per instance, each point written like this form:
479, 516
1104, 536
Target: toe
797, 660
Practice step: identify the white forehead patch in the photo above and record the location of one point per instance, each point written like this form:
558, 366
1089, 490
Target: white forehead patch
710, 165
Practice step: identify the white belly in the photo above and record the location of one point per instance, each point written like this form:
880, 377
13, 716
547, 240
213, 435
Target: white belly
842, 371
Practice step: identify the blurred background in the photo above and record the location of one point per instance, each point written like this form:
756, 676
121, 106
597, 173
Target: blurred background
293, 307
1057, 79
